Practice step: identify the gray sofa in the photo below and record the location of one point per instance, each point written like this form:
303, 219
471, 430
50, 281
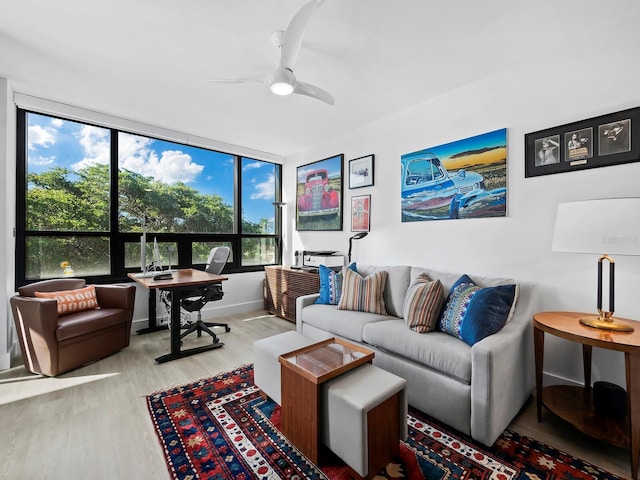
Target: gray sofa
475, 389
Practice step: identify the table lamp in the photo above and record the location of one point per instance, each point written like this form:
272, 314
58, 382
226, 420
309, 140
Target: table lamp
606, 227
357, 236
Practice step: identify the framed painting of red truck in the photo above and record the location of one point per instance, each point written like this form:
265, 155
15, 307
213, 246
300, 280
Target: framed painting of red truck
462, 179
319, 194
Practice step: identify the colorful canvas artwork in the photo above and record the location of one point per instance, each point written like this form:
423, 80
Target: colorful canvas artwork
462, 179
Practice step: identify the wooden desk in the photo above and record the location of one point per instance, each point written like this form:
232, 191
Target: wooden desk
182, 280
302, 373
575, 404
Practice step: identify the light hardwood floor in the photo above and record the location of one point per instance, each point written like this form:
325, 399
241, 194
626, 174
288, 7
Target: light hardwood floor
93, 422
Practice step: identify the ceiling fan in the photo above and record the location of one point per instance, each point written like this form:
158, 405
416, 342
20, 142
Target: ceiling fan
282, 80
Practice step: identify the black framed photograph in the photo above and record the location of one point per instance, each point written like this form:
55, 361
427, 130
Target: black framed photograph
595, 142
361, 172
360, 213
319, 194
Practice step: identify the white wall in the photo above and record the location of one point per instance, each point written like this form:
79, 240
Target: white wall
536, 94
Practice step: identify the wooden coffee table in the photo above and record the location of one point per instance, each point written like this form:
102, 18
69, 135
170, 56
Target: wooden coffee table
303, 372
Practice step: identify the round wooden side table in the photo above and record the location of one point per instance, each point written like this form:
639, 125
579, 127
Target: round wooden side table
575, 404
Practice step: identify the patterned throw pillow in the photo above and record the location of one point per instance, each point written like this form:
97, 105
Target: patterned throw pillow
70, 301
423, 304
473, 313
331, 284
363, 294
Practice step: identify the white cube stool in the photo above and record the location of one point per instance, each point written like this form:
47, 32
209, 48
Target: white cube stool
266, 367
364, 418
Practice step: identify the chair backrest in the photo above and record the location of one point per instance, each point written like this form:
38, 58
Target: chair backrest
218, 257
53, 285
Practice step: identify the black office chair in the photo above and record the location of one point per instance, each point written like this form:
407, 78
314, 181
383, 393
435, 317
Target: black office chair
195, 300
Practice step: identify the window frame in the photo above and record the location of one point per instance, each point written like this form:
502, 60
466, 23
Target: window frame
118, 239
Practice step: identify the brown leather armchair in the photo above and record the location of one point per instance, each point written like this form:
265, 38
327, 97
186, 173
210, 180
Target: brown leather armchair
53, 344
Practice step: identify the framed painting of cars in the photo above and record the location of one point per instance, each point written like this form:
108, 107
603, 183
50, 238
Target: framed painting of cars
360, 213
591, 143
361, 172
462, 179
319, 194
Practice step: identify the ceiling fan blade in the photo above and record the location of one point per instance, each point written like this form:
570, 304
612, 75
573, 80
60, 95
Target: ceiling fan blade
314, 92
259, 79
292, 40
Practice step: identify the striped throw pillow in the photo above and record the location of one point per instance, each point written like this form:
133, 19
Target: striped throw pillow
363, 294
423, 304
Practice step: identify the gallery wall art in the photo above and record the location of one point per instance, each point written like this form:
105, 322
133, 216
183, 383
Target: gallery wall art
360, 213
319, 194
361, 172
591, 143
462, 179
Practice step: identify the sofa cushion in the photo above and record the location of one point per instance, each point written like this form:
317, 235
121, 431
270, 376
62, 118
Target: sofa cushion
436, 350
344, 323
331, 284
363, 294
423, 304
70, 301
473, 313
398, 279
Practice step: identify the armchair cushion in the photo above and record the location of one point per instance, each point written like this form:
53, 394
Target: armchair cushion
70, 301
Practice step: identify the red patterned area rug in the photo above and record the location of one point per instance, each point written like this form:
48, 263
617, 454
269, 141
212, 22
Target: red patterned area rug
221, 428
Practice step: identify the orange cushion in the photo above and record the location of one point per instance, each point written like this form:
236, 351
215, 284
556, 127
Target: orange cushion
70, 301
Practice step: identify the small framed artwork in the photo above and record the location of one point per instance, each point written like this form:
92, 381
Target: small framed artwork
361, 172
319, 194
360, 213
595, 142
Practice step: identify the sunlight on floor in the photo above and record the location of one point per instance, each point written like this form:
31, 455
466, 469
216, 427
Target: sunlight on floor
259, 317
30, 385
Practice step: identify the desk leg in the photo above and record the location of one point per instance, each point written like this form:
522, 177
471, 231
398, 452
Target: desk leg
153, 327
586, 366
176, 351
632, 361
538, 345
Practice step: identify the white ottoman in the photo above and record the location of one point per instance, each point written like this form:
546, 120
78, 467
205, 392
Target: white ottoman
365, 417
266, 367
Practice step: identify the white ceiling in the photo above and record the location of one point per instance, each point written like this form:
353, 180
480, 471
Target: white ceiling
148, 60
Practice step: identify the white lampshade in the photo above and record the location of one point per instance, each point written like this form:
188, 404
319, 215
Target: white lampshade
606, 226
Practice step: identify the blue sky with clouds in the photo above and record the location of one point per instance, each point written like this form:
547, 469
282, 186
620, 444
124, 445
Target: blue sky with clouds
61, 143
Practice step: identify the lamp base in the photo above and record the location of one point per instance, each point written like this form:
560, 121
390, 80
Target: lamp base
610, 323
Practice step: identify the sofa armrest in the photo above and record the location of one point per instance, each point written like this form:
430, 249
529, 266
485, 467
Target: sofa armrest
502, 373
36, 322
116, 296
301, 302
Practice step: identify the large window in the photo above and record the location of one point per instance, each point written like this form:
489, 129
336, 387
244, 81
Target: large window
87, 193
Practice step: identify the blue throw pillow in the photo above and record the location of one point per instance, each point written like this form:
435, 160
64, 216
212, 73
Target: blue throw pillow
473, 313
331, 284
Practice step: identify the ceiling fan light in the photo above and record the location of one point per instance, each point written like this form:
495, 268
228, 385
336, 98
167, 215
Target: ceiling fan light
281, 88
282, 82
